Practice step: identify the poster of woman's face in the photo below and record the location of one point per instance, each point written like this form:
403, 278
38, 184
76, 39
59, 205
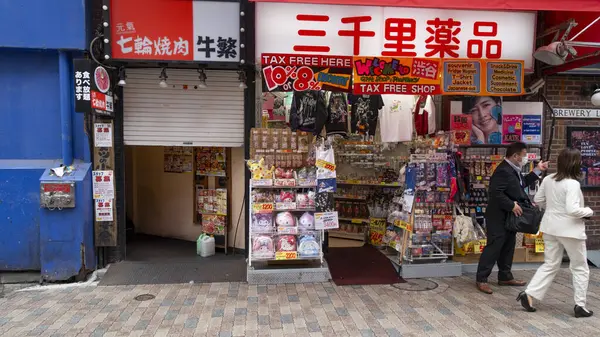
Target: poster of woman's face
486, 112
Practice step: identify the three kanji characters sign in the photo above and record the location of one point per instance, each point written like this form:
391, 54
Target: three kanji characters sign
175, 30
399, 32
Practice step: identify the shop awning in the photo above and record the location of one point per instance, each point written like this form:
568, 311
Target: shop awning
588, 56
492, 5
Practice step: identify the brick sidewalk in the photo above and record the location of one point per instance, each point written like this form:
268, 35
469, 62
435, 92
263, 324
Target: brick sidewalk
454, 308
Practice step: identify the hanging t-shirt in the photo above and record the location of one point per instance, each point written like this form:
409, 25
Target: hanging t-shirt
429, 111
306, 105
365, 111
335, 118
395, 119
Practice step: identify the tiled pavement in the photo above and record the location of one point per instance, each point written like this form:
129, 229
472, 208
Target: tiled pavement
234, 309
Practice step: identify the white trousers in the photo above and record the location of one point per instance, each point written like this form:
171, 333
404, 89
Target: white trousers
553, 255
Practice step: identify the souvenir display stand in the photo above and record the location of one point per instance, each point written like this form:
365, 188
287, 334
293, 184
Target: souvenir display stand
286, 220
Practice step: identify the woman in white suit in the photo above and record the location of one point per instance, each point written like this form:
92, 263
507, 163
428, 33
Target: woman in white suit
564, 229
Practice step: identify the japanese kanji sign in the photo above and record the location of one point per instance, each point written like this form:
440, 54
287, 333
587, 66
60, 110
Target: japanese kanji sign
83, 84
394, 32
175, 30
391, 75
295, 72
92, 88
483, 77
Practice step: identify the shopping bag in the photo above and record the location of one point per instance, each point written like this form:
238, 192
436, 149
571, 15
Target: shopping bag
529, 222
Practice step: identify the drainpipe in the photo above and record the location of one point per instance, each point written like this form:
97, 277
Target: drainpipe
64, 82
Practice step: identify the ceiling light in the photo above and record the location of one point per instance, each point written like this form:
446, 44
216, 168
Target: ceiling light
122, 77
596, 97
163, 78
553, 54
242, 79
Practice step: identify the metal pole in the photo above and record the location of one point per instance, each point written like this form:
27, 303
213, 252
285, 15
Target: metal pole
64, 83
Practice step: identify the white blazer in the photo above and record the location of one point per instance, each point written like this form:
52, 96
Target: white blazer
565, 211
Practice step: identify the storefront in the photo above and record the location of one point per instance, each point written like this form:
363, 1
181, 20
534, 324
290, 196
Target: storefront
406, 98
178, 133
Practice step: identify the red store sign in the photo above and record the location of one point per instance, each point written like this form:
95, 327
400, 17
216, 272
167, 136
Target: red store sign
289, 28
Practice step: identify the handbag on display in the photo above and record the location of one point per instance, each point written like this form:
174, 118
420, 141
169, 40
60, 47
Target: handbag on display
529, 222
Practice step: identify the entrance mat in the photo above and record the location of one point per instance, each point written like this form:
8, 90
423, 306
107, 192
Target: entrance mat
360, 266
218, 268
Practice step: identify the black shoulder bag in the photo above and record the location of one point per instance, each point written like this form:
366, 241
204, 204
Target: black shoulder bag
529, 222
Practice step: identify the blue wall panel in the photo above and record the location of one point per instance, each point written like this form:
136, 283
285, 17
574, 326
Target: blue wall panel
29, 107
46, 24
20, 219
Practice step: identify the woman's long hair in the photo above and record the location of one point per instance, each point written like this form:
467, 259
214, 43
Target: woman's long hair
568, 165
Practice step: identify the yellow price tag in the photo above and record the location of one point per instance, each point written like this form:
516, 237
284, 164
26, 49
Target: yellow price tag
286, 255
539, 245
479, 245
262, 208
325, 164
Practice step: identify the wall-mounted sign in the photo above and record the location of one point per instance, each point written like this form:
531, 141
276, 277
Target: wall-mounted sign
587, 140
175, 30
576, 113
92, 88
289, 72
481, 78
394, 32
391, 75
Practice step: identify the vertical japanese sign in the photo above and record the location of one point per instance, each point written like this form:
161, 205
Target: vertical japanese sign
306, 72
390, 75
82, 69
103, 135
102, 185
104, 209
376, 231
512, 128
175, 30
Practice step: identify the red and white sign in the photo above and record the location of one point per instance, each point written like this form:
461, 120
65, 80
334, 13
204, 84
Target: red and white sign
104, 210
101, 101
289, 28
175, 30
102, 185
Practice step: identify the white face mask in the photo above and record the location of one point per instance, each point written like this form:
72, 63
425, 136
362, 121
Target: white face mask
524, 161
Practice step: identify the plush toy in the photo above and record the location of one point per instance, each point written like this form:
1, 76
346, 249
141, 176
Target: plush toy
285, 219
306, 221
286, 243
262, 247
268, 174
286, 196
308, 246
279, 173
262, 222
256, 168
288, 174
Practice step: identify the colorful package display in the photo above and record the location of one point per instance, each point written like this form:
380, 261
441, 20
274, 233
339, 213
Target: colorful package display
286, 243
214, 224
211, 201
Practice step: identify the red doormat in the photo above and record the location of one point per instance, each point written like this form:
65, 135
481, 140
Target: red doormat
361, 266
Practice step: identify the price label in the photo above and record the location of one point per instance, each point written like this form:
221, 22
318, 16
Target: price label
262, 182
377, 231
290, 78
285, 182
403, 225
325, 165
327, 220
287, 230
284, 206
539, 245
286, 255
262, 208
479, 245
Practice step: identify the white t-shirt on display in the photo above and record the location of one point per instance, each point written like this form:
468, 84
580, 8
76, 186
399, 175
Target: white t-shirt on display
396, 118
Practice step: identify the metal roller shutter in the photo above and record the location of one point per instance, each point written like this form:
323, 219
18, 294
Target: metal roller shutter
176, 116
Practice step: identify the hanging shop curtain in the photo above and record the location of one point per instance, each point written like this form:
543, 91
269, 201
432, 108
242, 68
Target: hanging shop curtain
183, 114
492, 5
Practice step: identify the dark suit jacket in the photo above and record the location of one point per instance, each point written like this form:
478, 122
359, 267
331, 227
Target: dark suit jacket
505, 189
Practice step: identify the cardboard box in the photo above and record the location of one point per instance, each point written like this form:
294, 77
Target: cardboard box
520, 255
532, 256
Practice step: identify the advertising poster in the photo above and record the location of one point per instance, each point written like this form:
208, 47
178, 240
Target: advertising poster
92, 88
102, 185
512, 128
504, 78
283, 72
102, 135
587, 140
462, 77
391, 75
532, 129
461, 126
104, 210
326, 220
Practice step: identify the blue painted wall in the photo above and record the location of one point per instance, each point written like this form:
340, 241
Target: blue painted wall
44, 24
30, 137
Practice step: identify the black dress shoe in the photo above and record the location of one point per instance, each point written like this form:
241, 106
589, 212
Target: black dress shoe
582, 312
524, 299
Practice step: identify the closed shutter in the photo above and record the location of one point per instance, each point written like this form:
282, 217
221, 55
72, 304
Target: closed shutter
183, 114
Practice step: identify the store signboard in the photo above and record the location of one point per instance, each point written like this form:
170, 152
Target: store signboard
169, 30
92, 88
587, 140
482, 78
576, 113
391, 75
394, 32
496, 122
289, 72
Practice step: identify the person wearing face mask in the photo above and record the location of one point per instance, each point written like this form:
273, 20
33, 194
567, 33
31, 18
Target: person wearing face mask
506, 191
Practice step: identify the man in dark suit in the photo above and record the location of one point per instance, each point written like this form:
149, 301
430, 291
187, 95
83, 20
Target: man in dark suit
506, 191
